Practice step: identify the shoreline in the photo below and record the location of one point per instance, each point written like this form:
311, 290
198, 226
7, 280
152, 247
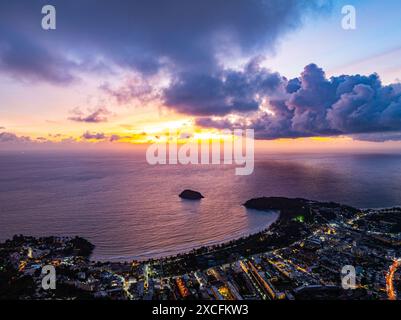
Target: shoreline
283, 231
212, 245
187, 250
298, 255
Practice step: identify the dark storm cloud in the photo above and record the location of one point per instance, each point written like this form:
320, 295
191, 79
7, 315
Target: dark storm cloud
316, 106
185, 35
344, 104
23, 58
96, 116
218, 124
293, 85
228, 91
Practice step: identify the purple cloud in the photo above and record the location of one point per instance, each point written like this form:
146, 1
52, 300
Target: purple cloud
7, 137
317, 106
222, 93
133, 90
145, 36
114, 137
93, 136
99, 115
24, 58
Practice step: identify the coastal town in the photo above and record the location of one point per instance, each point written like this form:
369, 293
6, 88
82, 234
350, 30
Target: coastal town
301, 256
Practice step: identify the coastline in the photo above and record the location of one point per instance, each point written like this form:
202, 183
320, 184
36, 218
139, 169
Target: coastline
296, 252
283, 224
161, 253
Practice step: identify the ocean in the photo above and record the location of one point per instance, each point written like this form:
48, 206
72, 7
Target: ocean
131, 210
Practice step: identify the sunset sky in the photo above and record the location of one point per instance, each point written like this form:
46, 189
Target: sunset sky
128, 71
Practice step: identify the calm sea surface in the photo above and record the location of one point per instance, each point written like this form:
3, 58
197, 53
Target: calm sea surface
130, 209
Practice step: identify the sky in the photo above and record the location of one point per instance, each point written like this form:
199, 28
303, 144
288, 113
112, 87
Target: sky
123, 72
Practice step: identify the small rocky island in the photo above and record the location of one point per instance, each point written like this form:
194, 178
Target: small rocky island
191, 195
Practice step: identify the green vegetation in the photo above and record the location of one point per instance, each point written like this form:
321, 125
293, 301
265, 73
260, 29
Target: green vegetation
300, 219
